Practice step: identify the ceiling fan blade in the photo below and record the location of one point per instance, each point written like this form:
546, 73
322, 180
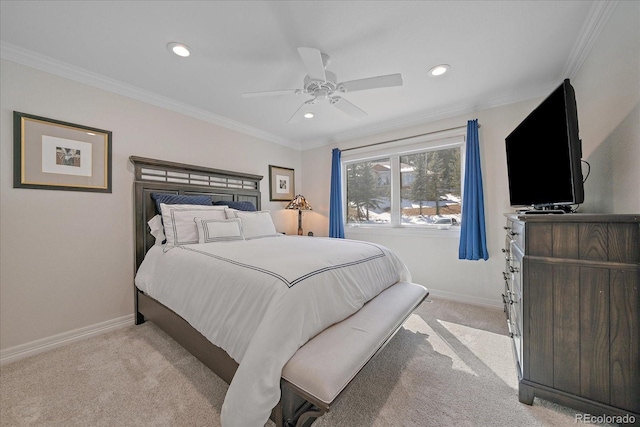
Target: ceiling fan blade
271, 92
348, 107
304, 108
312, 59
371, 83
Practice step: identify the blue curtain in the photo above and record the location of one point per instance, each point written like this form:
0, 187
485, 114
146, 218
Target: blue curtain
473, 237
336, 226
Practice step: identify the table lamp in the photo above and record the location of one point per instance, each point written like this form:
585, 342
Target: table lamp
301, 204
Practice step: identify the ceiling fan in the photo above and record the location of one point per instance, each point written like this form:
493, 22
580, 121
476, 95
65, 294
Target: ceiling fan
323, 85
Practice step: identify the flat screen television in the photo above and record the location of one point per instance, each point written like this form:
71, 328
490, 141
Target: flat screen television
544, 155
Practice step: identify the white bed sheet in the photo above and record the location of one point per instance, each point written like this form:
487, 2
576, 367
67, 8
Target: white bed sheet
261, 300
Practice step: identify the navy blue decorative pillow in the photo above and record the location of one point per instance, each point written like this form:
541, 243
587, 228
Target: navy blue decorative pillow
241, 206
179, 199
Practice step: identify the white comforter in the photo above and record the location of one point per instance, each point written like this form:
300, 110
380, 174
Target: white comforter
260, 300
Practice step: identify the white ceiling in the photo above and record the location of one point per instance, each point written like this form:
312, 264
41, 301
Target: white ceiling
499, 51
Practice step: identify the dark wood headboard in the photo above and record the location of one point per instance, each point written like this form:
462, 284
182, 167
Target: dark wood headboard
169, 177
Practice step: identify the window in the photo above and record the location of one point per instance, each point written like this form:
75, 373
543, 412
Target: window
406, 185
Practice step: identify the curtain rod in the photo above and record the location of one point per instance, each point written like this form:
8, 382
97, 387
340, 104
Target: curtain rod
406, 137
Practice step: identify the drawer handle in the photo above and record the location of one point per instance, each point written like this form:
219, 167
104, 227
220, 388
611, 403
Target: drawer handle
513, 269
513, 233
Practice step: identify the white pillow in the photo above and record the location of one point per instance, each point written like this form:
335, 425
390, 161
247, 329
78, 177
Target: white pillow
255, 224
219, 230
155, 228
179, 227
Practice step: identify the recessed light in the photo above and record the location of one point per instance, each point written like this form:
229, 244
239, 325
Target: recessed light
308, 115
179, 49
439, 70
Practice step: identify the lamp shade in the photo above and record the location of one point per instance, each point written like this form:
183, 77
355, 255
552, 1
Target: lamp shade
299, 203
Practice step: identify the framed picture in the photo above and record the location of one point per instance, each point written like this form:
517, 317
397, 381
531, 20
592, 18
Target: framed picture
54, 155
281, 185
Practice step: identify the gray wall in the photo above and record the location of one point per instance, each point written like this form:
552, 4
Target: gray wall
608, 92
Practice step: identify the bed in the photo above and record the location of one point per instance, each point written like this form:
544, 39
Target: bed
289, 337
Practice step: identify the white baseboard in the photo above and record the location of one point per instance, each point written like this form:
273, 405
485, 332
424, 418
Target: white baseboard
465, 299
45, 344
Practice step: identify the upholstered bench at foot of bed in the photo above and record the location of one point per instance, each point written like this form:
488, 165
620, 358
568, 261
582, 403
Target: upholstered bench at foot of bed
321, 369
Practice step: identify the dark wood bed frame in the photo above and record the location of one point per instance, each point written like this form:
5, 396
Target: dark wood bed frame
296, 407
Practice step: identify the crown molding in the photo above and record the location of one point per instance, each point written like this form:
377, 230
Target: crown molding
47, 64
44, 63
50, 65
597, 18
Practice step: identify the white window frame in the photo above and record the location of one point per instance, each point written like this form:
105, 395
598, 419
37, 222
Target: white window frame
393, 151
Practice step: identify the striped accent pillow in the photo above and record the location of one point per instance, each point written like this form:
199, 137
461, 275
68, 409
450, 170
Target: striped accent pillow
240, 206
179, 199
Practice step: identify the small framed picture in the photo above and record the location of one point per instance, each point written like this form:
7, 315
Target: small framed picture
281, 185
54, 155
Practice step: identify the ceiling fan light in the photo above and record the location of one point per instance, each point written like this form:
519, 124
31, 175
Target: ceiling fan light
179, 49
309, 115
439, 70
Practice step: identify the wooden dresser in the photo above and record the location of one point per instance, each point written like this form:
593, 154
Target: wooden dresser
572, 303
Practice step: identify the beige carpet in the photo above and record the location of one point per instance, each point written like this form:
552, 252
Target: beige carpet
450, 365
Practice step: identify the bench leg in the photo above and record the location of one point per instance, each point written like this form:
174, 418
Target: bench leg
303, 416
309, 415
